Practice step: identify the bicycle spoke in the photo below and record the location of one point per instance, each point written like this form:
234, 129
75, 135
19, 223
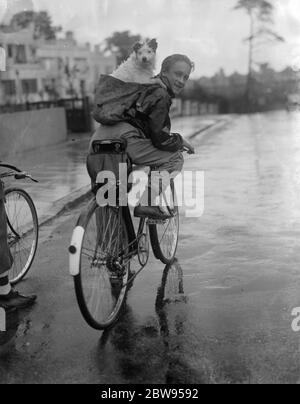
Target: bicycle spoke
22, 231
164, 236
167, 239
165, 232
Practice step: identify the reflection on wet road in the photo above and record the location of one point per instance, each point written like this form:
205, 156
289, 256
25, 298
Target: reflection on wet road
10, 321
152, 350
221, 313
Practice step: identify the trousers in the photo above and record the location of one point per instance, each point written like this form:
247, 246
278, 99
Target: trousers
139, 149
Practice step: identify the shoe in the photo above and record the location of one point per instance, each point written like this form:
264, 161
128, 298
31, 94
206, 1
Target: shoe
15, 300
152, 212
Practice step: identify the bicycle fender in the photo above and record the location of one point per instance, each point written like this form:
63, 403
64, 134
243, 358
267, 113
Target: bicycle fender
74, 250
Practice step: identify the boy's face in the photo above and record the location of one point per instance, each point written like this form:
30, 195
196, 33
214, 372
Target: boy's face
177, 76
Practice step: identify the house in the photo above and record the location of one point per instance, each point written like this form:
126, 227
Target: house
72, 70
41, 70
22, 79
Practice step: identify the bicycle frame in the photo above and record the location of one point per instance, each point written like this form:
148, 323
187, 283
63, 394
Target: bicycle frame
134, 236
106, 239
118, 147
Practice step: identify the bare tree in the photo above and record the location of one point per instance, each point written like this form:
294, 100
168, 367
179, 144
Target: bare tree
260, 14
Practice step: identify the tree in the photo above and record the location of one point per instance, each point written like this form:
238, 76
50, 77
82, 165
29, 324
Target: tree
194, 91
43, 27
260, 14
121, 43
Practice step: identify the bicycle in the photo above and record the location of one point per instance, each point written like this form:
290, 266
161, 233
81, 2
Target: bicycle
22, 224
104, 242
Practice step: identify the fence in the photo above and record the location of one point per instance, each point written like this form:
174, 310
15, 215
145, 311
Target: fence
78, 111
189, 108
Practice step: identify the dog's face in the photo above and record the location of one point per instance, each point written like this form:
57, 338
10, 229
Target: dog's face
146, 51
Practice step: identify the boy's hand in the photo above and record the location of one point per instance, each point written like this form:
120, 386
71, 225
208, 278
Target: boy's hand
188, 147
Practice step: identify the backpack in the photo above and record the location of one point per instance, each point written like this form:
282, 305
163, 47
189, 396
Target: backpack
115, 100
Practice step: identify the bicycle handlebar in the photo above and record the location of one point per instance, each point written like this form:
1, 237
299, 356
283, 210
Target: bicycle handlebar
23, 175
186, 149
16, 172
10, 167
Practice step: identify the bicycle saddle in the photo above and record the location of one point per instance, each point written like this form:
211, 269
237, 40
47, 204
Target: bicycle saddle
111, 146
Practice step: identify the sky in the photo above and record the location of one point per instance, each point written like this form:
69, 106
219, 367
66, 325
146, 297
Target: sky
208, 31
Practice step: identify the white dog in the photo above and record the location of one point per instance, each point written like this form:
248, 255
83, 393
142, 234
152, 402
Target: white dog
139, 67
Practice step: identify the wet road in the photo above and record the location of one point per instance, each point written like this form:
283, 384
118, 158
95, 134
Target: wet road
241, 280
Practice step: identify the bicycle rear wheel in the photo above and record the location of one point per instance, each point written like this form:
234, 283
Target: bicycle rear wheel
22, 231
164, 235
98, 265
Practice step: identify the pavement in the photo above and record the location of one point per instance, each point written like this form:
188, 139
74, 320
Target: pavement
61, 170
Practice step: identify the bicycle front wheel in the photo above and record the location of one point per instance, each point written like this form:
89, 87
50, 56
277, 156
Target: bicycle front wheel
22, 231
164, 235
99, 265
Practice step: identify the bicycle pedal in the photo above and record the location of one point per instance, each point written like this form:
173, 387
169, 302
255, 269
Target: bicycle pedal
156, 221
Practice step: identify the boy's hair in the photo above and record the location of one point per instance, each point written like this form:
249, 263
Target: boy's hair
170, 60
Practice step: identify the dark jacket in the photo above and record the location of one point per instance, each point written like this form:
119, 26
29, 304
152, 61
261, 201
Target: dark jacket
144, 106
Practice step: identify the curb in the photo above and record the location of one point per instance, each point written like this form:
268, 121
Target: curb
218, 124
66, 203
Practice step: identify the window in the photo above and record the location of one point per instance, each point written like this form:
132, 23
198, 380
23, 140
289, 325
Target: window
49, 64
33, 51
29, 86
2, 59
9, 87
82, 87
20, 54
10, 52
80, 61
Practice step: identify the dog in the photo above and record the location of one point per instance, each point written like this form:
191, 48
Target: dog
140, 66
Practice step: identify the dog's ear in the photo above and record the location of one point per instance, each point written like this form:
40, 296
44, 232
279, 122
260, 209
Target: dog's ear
153, 44
137, 46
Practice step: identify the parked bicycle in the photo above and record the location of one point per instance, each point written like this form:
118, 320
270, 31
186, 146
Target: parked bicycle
103, 244
22, 223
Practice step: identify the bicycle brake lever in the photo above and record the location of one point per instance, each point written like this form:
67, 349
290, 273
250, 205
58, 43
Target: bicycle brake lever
22, 176
32, 179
